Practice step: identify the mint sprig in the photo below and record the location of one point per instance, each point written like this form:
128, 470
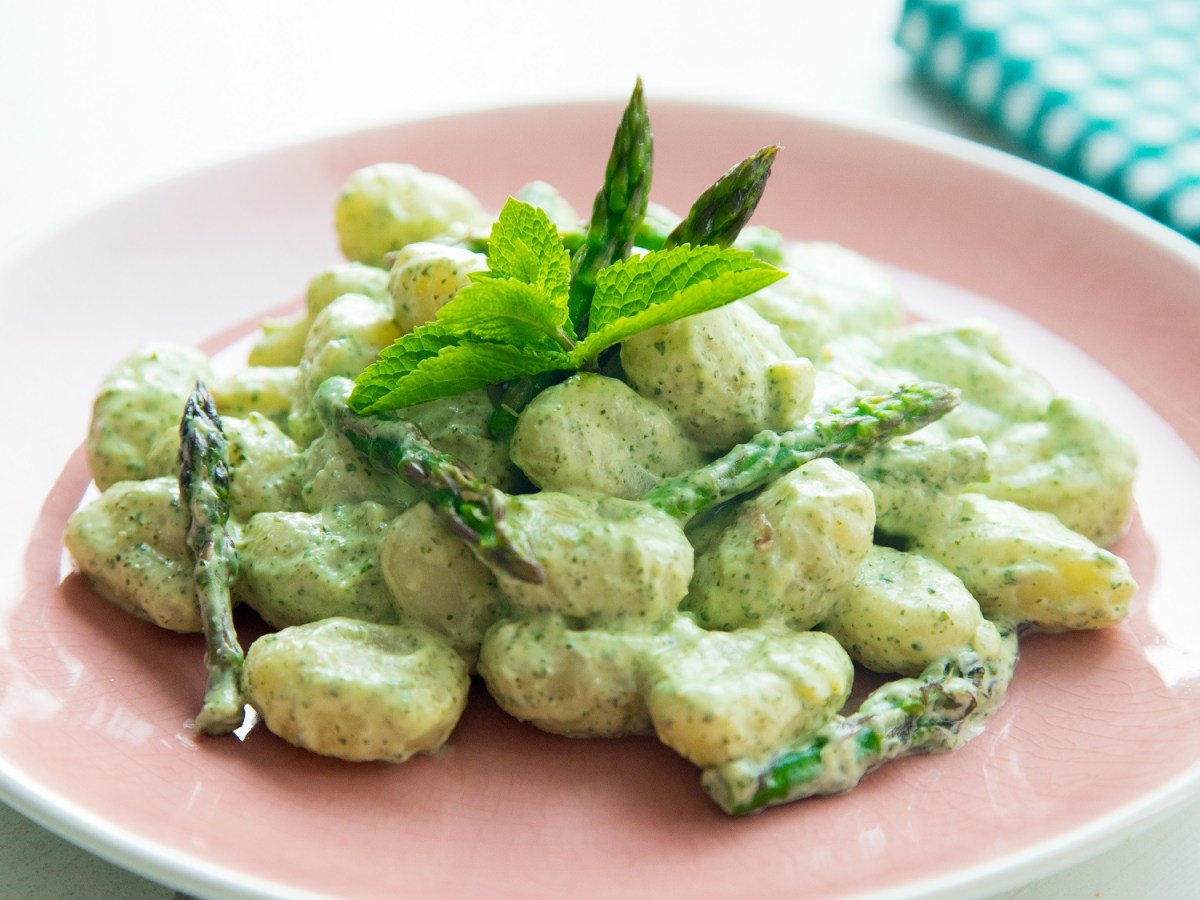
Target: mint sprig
512, 321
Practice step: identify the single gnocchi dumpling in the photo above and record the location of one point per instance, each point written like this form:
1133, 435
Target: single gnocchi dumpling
916, 481
973, 358
849, 366
344, 278
571, 681
829, 291
607, 561
596, 434
264, 470
301, 567
437, 582
281, 342
724, 375
131, 545
383, 207
1071, 463
356, 690
334, 474
267, 390
345, 338
788, 554
715, 696
1024, 566
903, 612
425, 277
139, 402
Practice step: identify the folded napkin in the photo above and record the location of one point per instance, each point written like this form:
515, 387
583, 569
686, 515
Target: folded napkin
1105, 91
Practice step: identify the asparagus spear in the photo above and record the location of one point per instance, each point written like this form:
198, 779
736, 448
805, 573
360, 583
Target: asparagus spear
204, 490
513, 397
618, 208
934, 712
473, 509
770, 454
617, 213
719, 214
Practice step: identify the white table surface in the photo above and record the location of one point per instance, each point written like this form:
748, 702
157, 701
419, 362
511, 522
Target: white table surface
98, 99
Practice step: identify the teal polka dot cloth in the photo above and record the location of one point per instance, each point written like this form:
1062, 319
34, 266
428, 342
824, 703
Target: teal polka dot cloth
1106, 91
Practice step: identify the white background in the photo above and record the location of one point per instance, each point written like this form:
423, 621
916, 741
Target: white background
98, 99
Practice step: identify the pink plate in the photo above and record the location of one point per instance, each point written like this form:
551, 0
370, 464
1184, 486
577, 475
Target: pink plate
1100, 732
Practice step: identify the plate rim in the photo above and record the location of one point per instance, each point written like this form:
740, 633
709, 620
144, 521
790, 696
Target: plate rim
871, 125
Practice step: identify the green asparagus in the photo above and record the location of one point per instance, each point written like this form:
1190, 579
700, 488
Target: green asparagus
618, 208
934, 712
719, 214
512, 397
471, 508
204, 491
770, 454
617, 213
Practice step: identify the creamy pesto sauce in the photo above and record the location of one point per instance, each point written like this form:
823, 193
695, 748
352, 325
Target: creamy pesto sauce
734, 641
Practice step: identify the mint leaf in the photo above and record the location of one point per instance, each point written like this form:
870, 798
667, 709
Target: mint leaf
522, 297
627, 287
507, 323
660, 287
396, 362
525, 246
457, 368
506, 311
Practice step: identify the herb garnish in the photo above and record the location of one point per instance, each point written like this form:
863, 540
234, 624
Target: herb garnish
527, 314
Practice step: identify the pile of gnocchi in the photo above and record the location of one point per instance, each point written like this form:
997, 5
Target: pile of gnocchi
733, 638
